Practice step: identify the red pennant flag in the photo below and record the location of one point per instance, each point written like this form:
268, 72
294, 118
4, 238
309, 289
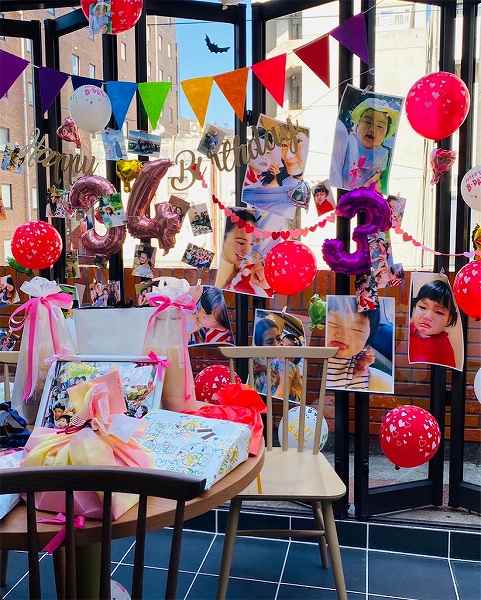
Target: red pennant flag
272, 74
316, 56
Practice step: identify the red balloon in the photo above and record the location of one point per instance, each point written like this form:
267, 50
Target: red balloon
409, 435
36, 245
437, 104
290, 267
125, 13
210, 380
467, 289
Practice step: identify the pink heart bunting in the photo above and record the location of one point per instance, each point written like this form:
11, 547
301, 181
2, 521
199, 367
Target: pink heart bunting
235, 218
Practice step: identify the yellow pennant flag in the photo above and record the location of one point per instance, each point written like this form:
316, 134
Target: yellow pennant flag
197, 91
234, 87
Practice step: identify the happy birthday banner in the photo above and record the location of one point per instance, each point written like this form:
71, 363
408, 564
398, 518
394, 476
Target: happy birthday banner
271, 73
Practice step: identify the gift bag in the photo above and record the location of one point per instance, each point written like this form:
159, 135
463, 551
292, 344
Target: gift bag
44, 334
98, 434
168, 331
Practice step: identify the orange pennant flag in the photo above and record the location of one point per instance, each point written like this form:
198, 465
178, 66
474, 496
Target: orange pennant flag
197, 91
234, 87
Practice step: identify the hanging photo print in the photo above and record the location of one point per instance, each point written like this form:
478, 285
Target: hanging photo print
435, 328
323, 198
144, 261
241, 264
100, 17
199, 219
142, 290
211, 318
197, 257
72, 268
104, 294
365, 136
366, 292
3, 212
8, 340
397, 206
180, 206
58, 204
211, 140
76, 226
273, 328
114, 144
12, 158
143, 143
111, 211
365, 341
274, 180
386, 273
8, 291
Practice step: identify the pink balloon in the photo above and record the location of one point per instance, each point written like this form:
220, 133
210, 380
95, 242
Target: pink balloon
104, 245
437, 104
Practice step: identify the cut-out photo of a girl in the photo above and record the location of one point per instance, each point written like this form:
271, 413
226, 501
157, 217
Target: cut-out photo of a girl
365, 341
211, 318
435, 329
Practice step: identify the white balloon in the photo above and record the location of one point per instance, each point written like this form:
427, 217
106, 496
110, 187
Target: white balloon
309, 428
90, 108
477, 385
471, 188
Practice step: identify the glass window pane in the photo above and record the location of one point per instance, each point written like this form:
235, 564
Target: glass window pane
75, 65
6, 194
4, 136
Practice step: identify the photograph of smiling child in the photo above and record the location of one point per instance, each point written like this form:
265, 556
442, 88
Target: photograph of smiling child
364, 140
365, 341
435, 330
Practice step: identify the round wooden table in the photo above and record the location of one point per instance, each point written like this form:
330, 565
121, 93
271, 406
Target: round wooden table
160, 513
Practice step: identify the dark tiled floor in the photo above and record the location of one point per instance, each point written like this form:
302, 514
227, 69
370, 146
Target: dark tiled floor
275, 570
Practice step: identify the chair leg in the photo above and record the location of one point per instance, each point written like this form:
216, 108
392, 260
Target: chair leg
228, 550
334, 551
3, 567
316, 509
59, 572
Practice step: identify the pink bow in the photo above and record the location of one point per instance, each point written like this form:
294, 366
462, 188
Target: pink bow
154, 359
58, 538
30, 312
184, 304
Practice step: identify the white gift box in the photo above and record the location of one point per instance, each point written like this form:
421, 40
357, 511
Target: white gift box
196, 446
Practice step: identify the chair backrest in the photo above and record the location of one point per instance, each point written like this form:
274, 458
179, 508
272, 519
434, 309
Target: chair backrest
146, 482
285, 353
7, 358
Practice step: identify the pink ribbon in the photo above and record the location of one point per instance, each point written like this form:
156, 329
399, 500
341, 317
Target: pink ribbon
59, 537
161, 364
30, 311
184, 304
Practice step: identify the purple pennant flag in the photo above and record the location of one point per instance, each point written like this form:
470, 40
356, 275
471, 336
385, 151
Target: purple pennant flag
353, 35
11, 67
50, 83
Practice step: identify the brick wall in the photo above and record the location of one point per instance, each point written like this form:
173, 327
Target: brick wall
412, 382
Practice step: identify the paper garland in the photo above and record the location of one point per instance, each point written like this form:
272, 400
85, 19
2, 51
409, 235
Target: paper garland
120, 94
316, 56
50, 83
272, 74
234, 87
197, 92
11, 67
153, 95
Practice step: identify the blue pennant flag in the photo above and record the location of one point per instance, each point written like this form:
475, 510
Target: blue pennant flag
120, 94
78, 81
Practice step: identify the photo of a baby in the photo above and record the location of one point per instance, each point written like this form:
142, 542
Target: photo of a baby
273, 328
435, 329
211, 319
365, 135
365, 341
323, 198
144, 261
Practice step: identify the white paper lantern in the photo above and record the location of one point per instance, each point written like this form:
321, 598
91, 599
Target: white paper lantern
477, 385
471, 188
90, 108
309, 428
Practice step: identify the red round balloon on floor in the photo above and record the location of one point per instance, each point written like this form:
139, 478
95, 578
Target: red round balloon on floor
467, 289
409, 436
36, 245
125, 13
290, 267
210, 380
437, 104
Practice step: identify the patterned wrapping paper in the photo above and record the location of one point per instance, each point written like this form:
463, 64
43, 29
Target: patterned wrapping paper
195, 446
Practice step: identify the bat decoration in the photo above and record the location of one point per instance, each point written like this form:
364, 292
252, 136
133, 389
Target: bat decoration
214, 47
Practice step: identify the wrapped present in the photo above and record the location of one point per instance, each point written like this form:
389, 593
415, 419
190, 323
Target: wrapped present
9, 459
44, 335
168, 332
196, 446
98, 434
13, 427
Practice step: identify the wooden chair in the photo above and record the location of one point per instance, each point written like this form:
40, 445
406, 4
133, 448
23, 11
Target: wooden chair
7, 358
146, 483
290, 474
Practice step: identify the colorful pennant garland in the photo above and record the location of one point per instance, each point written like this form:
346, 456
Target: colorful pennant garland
234, 87
78, 81
120, 94
272, 74
316, 56
352, 34
11, 67
197, 92
50, 83
153, 95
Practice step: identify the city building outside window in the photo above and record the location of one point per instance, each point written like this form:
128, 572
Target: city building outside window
123, 50
169, 50
295, 26
28, 45
34, 199
171, 114
294, 88
51, 11
169, 78
160, 42
149, 68
92, 70
161, 75
4, 136
2, 16
6, 194
30, 93
75, 60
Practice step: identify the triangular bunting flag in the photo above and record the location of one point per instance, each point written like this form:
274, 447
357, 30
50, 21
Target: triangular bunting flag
78, 81
353, 35
153, 95
11, 67
234, 87
50, 83
316, 56
198, 91
272, 74
120, 94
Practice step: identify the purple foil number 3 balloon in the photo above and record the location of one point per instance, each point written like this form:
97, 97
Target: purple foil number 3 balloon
377, 217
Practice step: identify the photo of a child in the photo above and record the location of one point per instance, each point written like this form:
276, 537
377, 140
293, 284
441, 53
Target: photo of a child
8, 340
104, 294
58, 205
111, 211
397, 206
365, 135
273, 328
144, 261
199, 219
211, 140
211, 319
12, 158
386, 273
114, 144
180, 207
197, 257
8, 291
435, 329
100, 17
72, 268
323, 198
365, 342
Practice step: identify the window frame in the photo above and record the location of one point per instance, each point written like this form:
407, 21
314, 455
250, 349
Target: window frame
2, 188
